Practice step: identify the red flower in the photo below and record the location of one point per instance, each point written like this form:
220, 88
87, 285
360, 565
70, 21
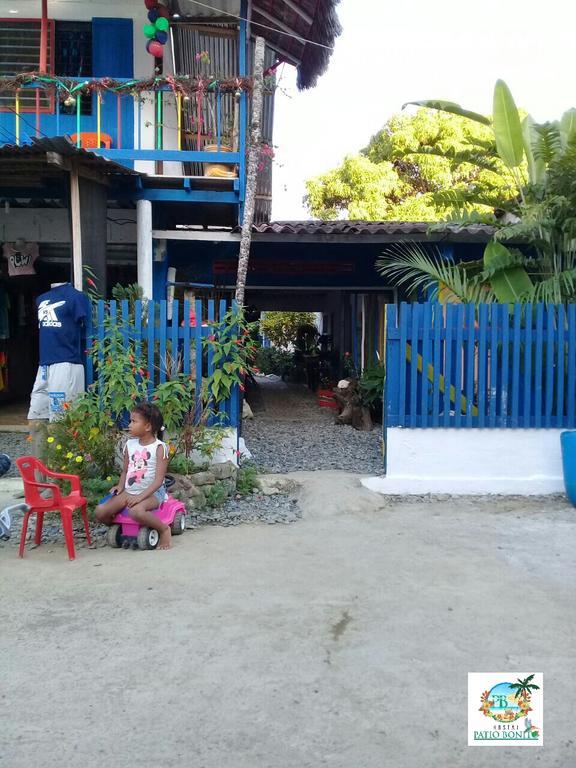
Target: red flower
346, 354
256, 370
91, 282
242, 387
211, 338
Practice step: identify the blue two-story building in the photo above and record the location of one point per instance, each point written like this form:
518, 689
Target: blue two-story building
119, 120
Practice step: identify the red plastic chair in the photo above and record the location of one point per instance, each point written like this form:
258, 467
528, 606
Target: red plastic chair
30, 467
90, 140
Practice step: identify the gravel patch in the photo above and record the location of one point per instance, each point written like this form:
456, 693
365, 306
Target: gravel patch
14, 444
254, 508
294, 446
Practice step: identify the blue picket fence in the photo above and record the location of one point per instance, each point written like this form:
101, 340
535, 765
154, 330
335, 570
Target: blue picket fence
488, 365
171, 335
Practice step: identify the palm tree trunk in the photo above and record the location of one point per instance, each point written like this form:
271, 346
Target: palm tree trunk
253, 154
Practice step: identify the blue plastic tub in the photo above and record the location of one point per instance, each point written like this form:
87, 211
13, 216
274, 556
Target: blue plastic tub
568, 443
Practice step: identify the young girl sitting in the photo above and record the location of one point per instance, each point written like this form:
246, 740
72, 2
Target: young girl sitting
141, 484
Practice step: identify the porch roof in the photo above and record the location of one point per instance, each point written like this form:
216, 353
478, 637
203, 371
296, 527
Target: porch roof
47, 152
371, 231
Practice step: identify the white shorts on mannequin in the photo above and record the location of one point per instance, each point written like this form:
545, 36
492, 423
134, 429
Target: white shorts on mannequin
55, 385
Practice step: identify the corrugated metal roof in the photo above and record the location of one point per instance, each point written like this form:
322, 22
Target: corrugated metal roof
397, 229
61, 145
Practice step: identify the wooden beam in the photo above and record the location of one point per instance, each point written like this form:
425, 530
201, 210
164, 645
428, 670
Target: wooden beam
76, 225
66, 164
300, 11
269, 17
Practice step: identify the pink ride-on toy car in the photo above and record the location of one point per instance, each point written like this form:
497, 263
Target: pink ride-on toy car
126, 532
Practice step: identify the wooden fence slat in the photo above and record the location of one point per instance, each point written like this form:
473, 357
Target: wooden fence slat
414, 332
538, 365
138, 328
448, 363
493, 400
526, 417
505, 382
174, 351
151, 319
571, 390
561, 336
125, 322
89, 346
186, 339
516, 348
425, 390
438, 317
198, 348
549, 361
482, 332
458, 365
469, 357
101, 335
404, 319
163, 337
394, 362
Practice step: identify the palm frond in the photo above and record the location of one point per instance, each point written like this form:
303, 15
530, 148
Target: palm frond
547, 142
556, 289
419, 268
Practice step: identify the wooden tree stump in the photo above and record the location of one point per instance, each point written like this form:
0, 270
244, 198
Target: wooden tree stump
352, 411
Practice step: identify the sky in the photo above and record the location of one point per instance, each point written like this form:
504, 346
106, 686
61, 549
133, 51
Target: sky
392, 52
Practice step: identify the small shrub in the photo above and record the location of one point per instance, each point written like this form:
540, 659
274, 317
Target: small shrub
216, 494
274, 360
282, 327
247, 479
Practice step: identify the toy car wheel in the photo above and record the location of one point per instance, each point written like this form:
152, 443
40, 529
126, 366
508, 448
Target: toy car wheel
114, 536
178, 524
148, 538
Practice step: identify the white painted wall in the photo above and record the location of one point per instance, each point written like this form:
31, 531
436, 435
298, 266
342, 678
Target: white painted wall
52, 225
471, 461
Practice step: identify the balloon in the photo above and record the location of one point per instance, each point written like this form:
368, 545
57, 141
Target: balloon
155, 49
152, 15
149, 30
163, 11
162, 24
150, 4
162, 38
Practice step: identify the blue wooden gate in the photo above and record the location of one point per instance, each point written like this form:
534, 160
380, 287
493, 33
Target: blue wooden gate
487, 365
172, 334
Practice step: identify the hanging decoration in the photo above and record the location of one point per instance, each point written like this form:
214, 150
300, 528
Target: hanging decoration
69, 89
156, 31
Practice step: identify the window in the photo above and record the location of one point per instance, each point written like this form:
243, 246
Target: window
73, 57
20, 52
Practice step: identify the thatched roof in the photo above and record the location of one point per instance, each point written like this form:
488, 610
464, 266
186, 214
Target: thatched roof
314, 20
285, 25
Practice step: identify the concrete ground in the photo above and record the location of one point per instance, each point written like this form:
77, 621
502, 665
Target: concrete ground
342, 640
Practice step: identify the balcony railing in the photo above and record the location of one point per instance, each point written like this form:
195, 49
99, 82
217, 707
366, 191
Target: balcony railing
199, 123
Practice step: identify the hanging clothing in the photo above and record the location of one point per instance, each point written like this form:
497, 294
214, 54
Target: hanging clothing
62, 312
20, 258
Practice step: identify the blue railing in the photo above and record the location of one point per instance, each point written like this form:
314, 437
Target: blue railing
160, 124
491, 365
172, 340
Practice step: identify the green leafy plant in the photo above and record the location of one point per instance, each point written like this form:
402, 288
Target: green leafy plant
371, 386
216, 494
247, 479
281, 328
233, 351
273, 360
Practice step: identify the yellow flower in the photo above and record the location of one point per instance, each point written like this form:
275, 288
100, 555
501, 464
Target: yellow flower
69, 455
58, 447
49, 439
79, 459
63, 466
108, 479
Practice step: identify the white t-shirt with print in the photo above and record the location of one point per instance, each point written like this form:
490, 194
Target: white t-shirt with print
141, 465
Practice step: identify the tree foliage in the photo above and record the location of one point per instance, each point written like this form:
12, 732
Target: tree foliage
282, 327
425, 166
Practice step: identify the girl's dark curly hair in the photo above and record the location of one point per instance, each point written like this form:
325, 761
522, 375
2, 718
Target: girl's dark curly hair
151, 413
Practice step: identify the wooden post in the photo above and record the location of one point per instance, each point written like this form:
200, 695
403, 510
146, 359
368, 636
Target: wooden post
75, 221
254, 151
